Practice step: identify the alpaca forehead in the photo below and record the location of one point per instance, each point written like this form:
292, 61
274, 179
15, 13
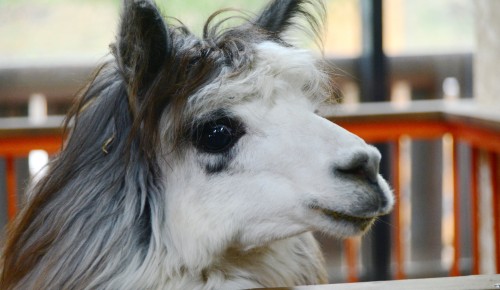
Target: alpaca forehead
286, 61
278, 68
276, 72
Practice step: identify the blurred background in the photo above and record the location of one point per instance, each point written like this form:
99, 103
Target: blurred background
397, 52
425, 40
55, 30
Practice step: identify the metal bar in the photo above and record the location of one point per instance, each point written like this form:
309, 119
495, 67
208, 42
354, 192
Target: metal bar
391, 130
373, 67
398, 250
373, 76
493, 164
22, 145
481, 137
11, 187
351, 258
474, 190
379, 131
455, 268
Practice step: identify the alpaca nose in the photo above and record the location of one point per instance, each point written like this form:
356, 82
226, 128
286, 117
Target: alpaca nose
361, 165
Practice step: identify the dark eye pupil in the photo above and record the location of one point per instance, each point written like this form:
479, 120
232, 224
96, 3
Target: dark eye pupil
217, 138
217, 135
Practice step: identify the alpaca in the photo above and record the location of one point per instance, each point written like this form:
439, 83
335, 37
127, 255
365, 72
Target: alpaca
197, 163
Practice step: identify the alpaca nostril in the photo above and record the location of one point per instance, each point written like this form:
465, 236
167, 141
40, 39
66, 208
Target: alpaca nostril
359, 166
357, 171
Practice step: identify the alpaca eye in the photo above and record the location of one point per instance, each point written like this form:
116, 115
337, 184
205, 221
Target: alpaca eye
217, 136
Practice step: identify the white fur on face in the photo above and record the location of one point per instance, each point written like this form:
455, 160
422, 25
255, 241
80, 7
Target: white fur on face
282, 178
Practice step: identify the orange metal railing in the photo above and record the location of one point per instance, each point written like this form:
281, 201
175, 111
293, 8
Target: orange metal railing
18, 137
465, 121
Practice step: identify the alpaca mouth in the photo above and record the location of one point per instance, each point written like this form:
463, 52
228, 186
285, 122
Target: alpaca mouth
362, 222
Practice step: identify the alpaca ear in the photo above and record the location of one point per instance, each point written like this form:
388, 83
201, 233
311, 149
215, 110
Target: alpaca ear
142, 43
278, 15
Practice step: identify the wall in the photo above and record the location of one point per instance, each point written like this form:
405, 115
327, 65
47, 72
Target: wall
487, 57
487, 93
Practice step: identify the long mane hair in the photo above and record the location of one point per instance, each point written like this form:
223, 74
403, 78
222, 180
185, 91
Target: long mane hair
95, 215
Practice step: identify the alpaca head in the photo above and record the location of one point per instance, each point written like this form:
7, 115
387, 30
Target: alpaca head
230, 121
182, 148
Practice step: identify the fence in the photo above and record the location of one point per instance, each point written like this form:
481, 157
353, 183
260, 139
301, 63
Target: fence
420, 134
459, 124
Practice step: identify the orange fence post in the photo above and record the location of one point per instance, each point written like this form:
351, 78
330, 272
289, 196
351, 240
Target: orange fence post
351, 256
11, 187
474, 190
455, 268
398, 243
493, 164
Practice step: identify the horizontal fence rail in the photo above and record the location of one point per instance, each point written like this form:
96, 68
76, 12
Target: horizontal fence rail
459, 122
20, 136
466, 122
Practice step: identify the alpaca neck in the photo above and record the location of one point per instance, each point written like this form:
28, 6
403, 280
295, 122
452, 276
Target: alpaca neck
293, 261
